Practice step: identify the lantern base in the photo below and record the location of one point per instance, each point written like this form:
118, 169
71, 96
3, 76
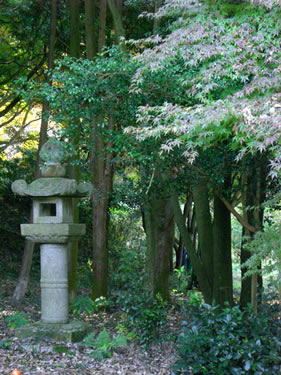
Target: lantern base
74, 331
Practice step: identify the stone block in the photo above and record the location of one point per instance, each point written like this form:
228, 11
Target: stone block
52, 233
74, 331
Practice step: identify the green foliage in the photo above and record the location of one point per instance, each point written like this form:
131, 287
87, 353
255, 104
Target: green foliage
5, 345
228, 341
84, 304
14, 210
17, 320
62, 349
181, 279
104, 344
126, 250
143, 315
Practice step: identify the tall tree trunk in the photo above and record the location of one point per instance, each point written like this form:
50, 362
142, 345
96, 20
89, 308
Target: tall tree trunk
248, 200
101, 177
74, 171
100, 167
223, 282
102, 19
205, 283
204, 226
254, 189
90, 28
187, 212
74, 28
160, 231
24, 276
116, 11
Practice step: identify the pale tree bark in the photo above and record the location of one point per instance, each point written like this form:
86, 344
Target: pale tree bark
24, 276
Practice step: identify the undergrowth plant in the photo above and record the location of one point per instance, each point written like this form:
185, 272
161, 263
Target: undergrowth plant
84, 304
17, 320
103, 345
229, 342
143, 315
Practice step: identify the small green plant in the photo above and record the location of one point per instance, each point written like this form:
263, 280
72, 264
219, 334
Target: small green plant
84, 304
104, 344
4, 345
62, 349
228, 342
17, 320
142, 315
181, 279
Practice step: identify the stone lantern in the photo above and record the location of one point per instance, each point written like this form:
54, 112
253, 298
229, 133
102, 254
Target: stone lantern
53, 228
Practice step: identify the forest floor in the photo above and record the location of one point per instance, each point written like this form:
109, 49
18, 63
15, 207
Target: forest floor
60, 358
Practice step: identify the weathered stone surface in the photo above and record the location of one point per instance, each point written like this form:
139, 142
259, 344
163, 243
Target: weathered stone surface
52, 210
51, 187
52, 233
19, 187
53, 170
73, 331
53, 151
54, 285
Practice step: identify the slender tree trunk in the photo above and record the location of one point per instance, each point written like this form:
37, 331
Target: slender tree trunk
249, 192
101, 177
204, 227
24, 276
205, 283
223, 283
90, 6
100, 166
186, 213
102, 19
116, 10
74, 171
74, 28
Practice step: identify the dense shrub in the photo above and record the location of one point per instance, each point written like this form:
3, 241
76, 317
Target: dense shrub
143, 315
229, 341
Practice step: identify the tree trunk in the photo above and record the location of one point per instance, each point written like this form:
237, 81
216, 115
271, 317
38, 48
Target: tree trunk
204, 227
74, 28
102, 18
205, 283
101, 177
24, 276
160, 230
74, 171
90, 28
115, 10
223, 283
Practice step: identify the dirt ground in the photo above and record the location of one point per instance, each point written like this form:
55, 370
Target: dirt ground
58, 358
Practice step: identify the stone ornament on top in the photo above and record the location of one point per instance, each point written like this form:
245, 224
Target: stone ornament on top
54, 154
53, 182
